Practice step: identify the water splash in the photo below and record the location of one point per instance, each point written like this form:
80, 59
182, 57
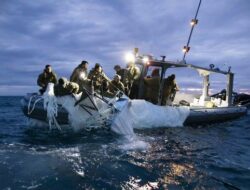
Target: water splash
141, 114
134, 143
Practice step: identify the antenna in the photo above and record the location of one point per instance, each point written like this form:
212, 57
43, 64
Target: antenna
193, 22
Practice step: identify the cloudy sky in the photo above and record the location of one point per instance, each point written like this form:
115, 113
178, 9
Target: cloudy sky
62, 33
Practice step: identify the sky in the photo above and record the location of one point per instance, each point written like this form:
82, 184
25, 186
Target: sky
63, 33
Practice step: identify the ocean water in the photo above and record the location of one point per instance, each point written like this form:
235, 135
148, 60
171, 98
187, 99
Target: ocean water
203, 157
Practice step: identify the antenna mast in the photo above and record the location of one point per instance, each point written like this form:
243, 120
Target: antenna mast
193, 22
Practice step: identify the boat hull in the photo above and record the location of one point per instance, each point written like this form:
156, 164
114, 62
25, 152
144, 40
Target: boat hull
197, 116
201, 116
39, 113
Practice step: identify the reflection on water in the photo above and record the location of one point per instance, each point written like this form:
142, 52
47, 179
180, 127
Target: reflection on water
73, 156
134, 183
177, 172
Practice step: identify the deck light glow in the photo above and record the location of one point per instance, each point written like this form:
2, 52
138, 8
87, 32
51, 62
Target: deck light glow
129, 57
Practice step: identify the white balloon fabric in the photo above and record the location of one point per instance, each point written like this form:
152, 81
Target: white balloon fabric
142, 114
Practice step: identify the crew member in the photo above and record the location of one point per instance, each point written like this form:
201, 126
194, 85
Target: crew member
98, 79
47, 76
155, 73
123, 73
169, 90
115, 85
152, 86
133, 77
64, 87
80, 75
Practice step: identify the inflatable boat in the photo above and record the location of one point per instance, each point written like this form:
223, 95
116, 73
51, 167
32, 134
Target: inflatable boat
98, 110
196, 116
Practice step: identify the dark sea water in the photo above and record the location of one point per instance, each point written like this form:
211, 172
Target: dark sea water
205, 157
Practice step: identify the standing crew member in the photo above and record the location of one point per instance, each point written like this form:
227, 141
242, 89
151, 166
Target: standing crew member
169, 90
133, 80
152, 86
46, 77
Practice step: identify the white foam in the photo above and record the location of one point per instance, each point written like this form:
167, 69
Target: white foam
134, 144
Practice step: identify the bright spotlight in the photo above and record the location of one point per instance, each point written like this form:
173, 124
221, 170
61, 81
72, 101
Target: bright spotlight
83, 76
129, 57
145, 59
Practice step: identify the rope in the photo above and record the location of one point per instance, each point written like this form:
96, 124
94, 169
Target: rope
50, 105
33, 107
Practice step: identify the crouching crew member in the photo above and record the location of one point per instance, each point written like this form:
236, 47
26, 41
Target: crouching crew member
98, 79
123, 73
115, 86
47, 76
64, 87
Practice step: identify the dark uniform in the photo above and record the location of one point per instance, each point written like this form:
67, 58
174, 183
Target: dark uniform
133, 76
169, 89
45, 78
99, 80
80, 76
123, 73
152, 86
115, 86
64, 87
